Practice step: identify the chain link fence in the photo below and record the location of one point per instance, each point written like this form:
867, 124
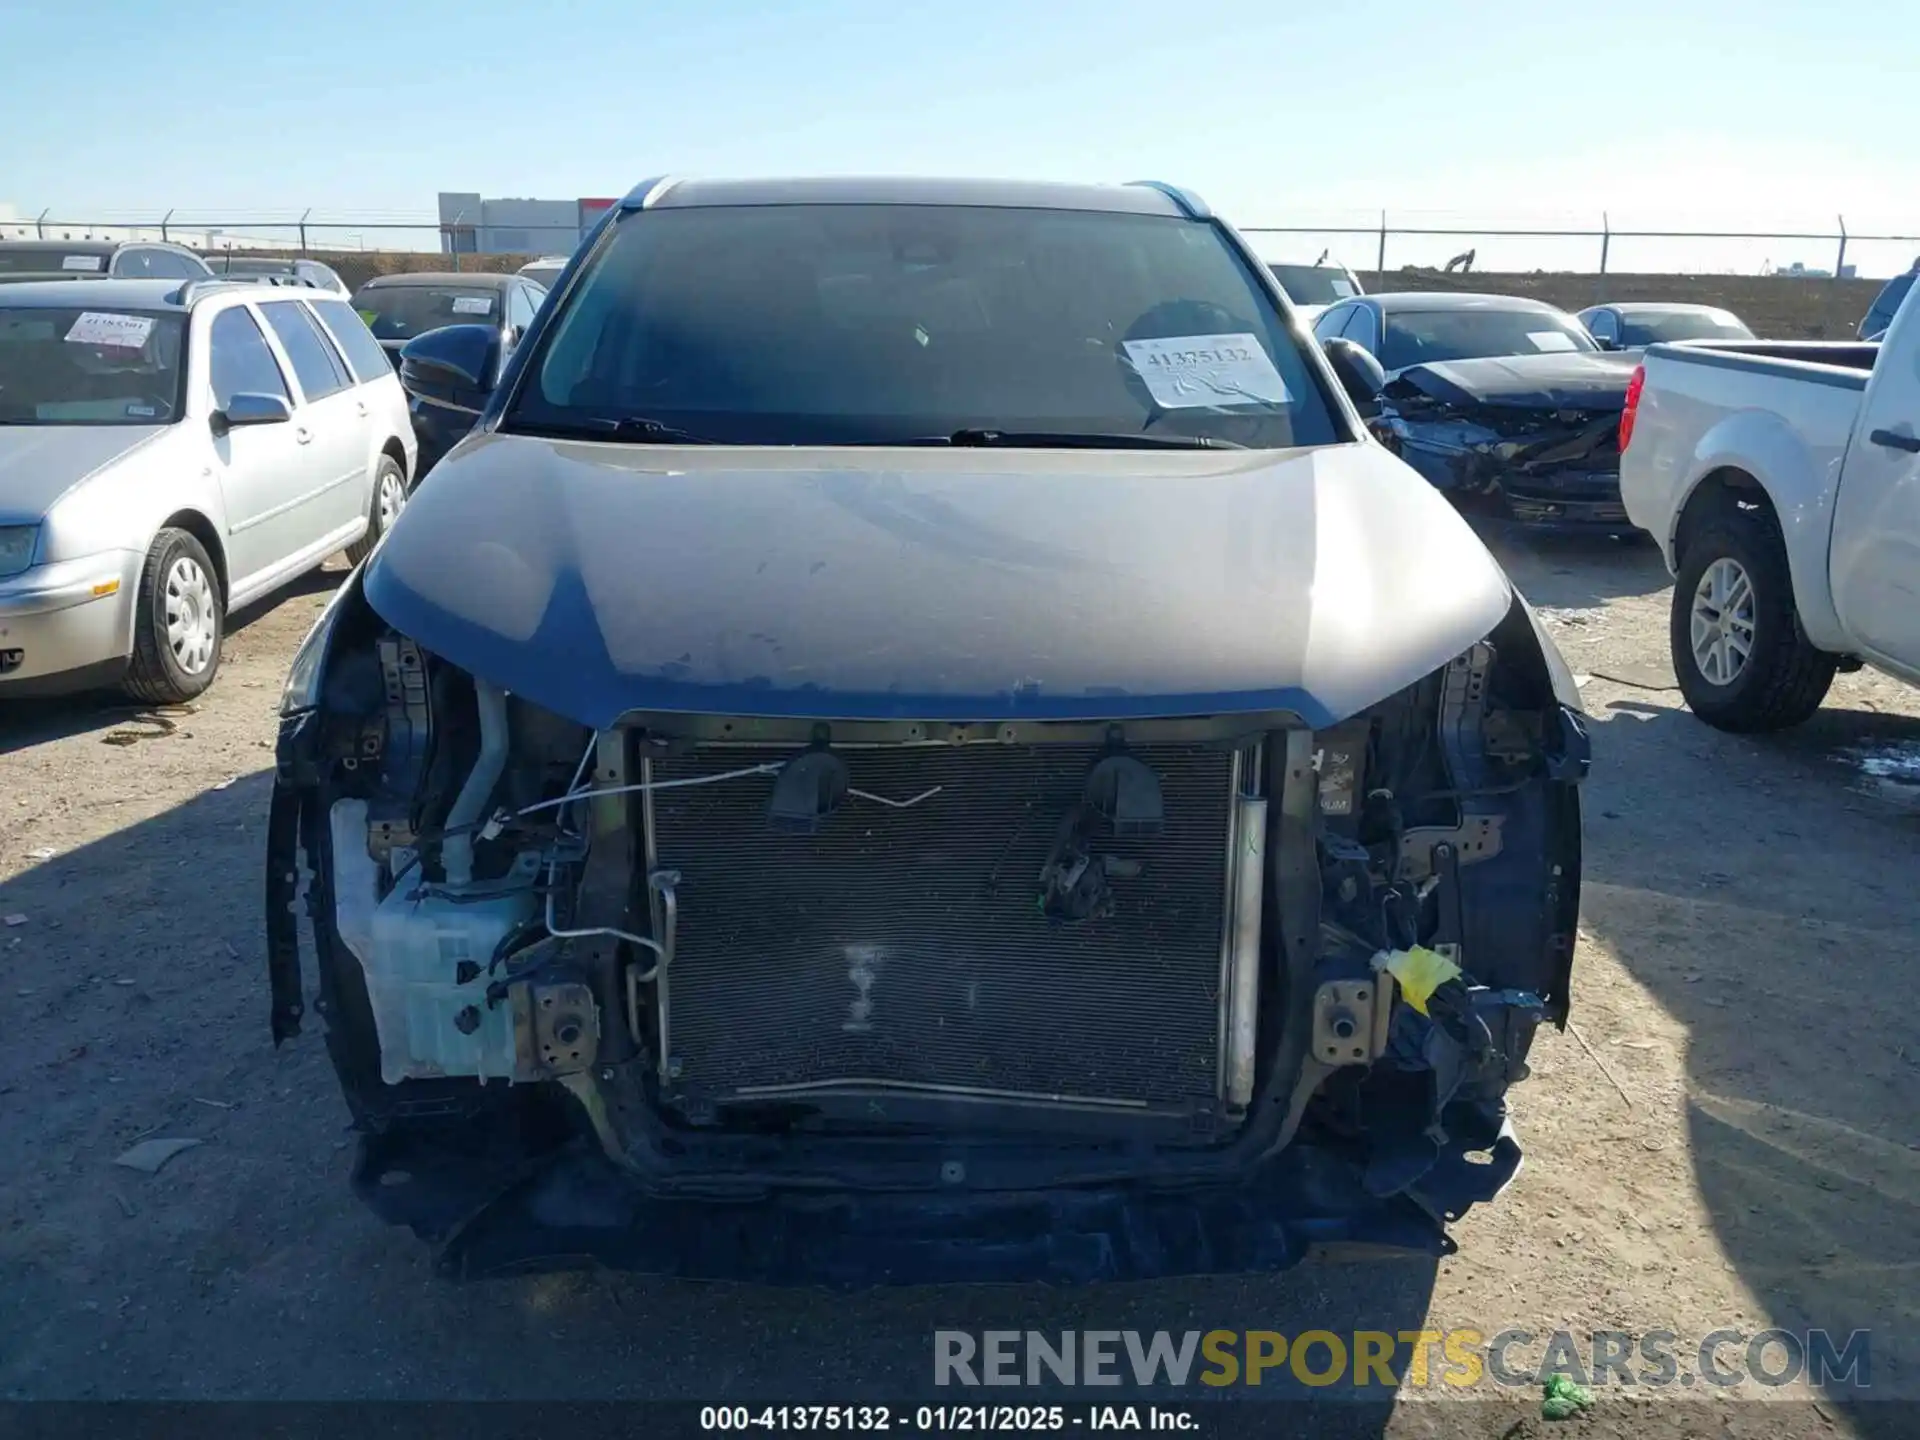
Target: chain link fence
1374, 246
1787, 283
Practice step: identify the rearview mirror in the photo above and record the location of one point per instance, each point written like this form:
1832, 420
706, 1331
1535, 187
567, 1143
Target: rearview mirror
1358, 372
246, 409
459, 357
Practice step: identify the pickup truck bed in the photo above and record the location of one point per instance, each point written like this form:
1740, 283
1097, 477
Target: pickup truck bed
1810, 358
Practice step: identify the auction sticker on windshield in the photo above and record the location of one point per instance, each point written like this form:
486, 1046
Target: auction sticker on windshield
1550, 340
471, 305
1184, 371
81, 262
123, 331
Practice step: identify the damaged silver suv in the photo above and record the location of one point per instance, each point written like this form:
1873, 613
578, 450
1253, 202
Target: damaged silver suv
920, 739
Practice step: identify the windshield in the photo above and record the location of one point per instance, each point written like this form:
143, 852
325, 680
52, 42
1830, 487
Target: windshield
74, 366
881, 324
1315, 284
50, 260
399, 312
1887, 303
1420, 337
1650, 327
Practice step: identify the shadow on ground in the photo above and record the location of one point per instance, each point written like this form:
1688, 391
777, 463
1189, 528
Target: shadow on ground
25, 723
1784, 943
136, 1005
1576, 572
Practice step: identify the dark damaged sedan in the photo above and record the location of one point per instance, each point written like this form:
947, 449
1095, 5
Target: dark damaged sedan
1505, 404
920, 739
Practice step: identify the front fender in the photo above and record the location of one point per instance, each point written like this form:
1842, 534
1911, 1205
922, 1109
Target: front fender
122, 506
1566, 690
387, 406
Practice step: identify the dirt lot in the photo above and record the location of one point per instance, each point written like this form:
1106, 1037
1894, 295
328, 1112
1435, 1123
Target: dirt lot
1731, 1139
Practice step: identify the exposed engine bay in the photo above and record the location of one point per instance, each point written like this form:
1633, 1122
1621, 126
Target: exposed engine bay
738, 958
1555, 463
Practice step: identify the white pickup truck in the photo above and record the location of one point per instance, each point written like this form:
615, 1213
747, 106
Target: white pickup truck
1783, 484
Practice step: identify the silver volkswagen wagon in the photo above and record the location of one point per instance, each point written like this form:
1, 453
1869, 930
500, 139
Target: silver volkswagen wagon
169, 452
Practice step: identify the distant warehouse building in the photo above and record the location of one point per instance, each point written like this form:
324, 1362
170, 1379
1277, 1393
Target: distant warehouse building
471, 225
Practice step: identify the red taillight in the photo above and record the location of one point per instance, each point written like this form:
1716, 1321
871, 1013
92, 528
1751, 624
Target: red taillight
1633, 405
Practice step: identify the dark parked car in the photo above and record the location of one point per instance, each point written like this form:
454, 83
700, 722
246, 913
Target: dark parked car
1873, 325
98, 260
399, 307
920, 740
1505, 404
1636, 324
1312, 288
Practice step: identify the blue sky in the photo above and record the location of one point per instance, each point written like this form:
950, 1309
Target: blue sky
1767, 113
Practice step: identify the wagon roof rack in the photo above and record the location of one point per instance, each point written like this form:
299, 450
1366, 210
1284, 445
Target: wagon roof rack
194, 289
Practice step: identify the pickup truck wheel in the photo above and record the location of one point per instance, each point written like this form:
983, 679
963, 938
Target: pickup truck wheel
178, 623
1743, 661
389, 499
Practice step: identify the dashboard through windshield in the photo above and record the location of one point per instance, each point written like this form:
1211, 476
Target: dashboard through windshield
72, 365
1422, 337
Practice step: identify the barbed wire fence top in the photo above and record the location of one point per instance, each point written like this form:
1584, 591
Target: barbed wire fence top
1377, 243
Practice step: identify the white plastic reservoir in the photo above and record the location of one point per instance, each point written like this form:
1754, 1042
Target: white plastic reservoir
410, 951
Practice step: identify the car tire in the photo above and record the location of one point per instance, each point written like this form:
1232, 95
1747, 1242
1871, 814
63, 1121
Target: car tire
389, 499
179, 622
1733, 588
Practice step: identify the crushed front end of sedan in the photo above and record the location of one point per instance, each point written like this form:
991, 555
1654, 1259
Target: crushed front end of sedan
1063, 857
1532, 439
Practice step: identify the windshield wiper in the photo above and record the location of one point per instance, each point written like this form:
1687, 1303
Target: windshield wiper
1084, 440
623, 427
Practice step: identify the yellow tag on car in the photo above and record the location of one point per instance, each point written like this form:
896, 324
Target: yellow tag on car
1420, 972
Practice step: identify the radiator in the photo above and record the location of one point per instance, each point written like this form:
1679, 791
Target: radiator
907, 946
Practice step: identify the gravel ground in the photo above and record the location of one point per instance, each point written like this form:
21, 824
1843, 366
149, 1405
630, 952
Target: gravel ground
1729, 1139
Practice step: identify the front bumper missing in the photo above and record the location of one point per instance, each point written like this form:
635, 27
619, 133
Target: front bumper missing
493, 1210
1547, 497
493, 1198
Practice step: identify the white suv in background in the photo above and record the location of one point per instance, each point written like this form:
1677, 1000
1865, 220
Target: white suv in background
544, 271
169, 452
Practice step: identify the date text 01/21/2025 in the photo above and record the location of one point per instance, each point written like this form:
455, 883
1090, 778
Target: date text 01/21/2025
946, 1419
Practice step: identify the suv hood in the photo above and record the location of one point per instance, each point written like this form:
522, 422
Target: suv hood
40, 463
963, 585
1575, 380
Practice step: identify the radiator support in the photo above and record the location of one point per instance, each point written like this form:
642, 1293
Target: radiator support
900, 951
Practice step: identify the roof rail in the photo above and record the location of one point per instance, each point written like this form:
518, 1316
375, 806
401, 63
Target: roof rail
1195, 207
194, 289
643, 195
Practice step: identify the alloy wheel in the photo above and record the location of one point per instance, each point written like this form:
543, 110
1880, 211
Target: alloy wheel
1722, 628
